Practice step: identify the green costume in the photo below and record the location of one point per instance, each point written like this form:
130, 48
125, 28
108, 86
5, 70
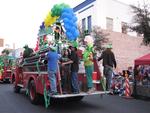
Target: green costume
89, 67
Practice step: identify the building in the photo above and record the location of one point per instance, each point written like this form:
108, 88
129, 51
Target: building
17, 53
113, 16
1, 42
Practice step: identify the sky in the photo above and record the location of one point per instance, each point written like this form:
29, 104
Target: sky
20, 19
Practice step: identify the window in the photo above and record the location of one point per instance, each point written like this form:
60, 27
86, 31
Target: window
124, 27
83, 24
109, 24
89, 24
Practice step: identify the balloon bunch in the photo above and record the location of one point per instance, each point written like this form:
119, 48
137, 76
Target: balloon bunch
42, 29
69, 20
64, 14
57, 9
54, 14
50, 19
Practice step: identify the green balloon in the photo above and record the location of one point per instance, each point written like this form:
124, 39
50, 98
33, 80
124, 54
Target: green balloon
75, 44
57, 9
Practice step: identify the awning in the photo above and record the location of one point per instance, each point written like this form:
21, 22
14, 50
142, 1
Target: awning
144, 60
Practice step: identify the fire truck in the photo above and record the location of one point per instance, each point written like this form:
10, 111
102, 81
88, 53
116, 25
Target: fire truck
6, 68
31, 74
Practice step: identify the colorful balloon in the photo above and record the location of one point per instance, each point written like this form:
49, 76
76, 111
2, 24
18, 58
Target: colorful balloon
61, 12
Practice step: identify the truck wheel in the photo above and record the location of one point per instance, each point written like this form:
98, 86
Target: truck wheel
71, 99
34, 97
17, 89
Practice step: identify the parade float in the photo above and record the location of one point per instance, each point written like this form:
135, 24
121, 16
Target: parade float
59, 30
6, 64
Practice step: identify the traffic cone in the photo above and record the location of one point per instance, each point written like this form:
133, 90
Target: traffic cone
127, 89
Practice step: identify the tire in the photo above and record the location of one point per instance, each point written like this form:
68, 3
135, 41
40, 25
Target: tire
17, 89
75, 99
33, 96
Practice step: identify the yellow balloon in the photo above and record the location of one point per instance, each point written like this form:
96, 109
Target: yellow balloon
50, 20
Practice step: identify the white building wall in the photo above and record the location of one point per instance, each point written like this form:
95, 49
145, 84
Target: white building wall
120, 12
101, 13
101, 9
90, 11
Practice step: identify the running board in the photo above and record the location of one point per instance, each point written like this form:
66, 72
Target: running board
80, 94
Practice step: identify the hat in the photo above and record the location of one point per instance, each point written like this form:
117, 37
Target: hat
109, 46
53, 48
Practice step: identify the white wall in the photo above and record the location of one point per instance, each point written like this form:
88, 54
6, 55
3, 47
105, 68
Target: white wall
114, 9
85, 14
120, 12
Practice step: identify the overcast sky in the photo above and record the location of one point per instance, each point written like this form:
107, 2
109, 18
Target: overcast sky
20, 19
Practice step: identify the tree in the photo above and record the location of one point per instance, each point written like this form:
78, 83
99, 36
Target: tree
6, 51
99, 38
98, 35
82, 34
141, 21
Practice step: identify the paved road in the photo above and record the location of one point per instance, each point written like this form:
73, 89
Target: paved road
19, 103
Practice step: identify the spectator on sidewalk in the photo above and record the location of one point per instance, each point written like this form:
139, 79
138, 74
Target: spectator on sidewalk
109, 62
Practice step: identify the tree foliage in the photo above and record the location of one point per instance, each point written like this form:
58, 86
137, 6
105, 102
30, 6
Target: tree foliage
6, 51
141, 21
98, 35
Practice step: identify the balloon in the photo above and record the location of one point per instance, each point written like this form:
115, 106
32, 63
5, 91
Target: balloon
65, 15
66, 20
69, 36
74, 19
50, 20
73, 29
57, 9
75, 44
64, 5
76, 33
68, 10
42, 26
61, 12
67, 27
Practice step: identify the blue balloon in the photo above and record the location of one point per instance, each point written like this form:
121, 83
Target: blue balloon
69, 19
65, 15
73, 29
69, 35
74, 19
71, 23
42, 26
68, 10
67, 27
76, 33
66, 20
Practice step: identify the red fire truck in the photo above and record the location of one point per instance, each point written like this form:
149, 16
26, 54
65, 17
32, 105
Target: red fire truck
6, 66
31, 74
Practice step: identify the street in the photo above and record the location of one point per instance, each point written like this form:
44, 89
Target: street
11, 102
